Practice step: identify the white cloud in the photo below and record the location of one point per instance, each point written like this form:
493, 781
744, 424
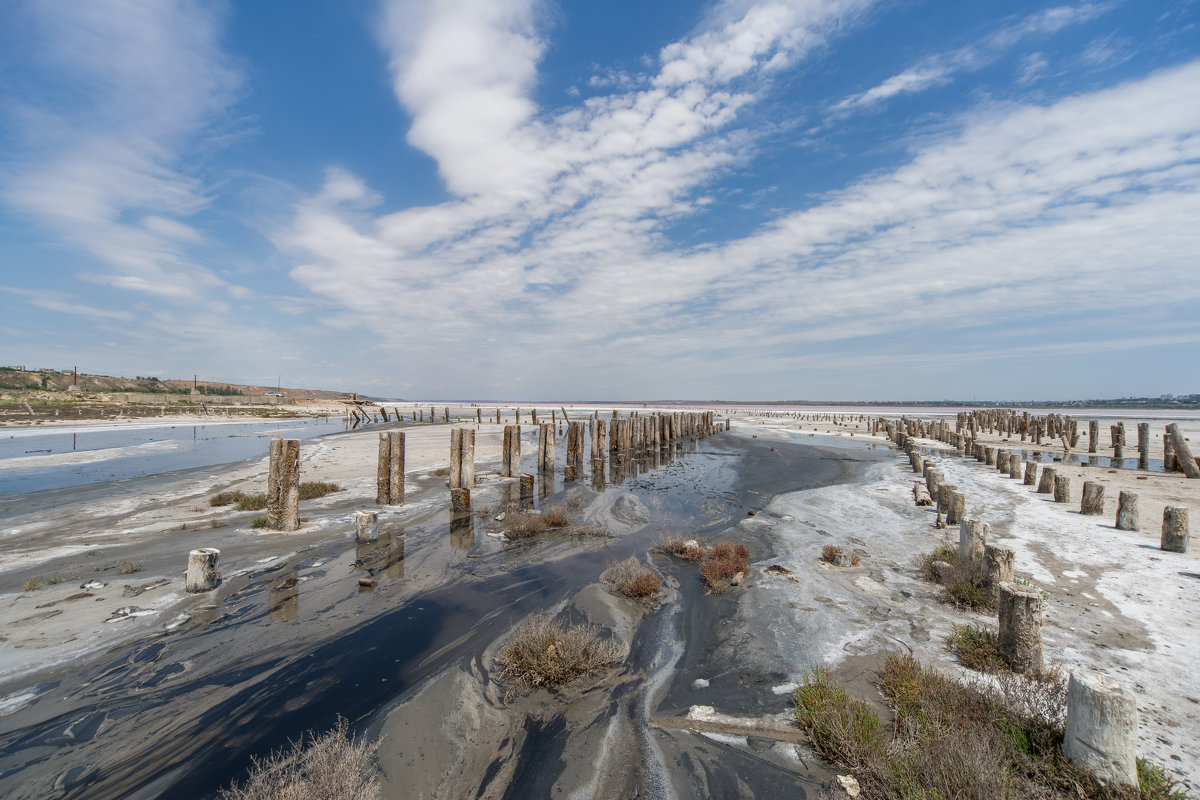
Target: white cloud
941, 68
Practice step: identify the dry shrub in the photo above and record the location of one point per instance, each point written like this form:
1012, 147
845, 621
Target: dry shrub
632, 578
556, 516
524, 525
724, 560
830, 551
996, 739
129, 567
678, 546
442, 472
546, 652
317, 489
332, 766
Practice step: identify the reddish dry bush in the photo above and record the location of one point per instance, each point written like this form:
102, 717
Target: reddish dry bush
556, 516
632, 578
688, 549
723, 561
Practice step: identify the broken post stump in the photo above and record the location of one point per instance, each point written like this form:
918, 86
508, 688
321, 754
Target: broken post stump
366, 526
1046, 484
958, 508
972, 536
460, 500
526, 487
1175, 533
1127, 512
1102, 728
1183, 454
1143, 445
1020, 636
1031, 471
996, 568
1014, 466
283, 485
1062, 489
1093, 499
202, 570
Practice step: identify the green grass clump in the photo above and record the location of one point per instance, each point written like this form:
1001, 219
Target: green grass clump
843, 728
977, 647
964, 588
252, 502
317, 489
225, 498
258, 522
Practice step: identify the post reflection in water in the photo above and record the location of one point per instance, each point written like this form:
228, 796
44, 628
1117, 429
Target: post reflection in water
391, 545
283, 597
462, 530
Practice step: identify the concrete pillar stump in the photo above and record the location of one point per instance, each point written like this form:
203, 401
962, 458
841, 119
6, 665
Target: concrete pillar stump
972, 536
366, 526
1046, 483
1093, 499
1020, 617
1127, 512
1101, 730
1174, 530
1062, 489
202, 570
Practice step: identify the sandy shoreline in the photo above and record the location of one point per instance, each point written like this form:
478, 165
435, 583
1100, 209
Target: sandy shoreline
1115, 603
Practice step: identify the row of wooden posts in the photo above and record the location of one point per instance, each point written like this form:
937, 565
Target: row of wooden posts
627, 436
1101, 726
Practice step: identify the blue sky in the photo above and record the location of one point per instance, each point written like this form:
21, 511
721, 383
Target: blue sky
573, 200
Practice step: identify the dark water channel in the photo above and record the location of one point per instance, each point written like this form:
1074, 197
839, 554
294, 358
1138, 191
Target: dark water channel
290, 647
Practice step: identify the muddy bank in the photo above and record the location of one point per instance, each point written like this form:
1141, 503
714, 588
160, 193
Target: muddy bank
289, 641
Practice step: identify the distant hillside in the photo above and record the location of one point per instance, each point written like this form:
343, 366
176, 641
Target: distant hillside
16, 379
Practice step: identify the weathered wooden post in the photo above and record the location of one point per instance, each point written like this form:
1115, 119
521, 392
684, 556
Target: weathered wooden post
1102, 728
972, 536
1093, 435
1002, 460
1062, 489
202, 570
1127, 512
1143, 445
1046, 484
366, 526
478, 416
510, 463
1014, 466
1020, 637
1175, 533
1031, 471
460, 500
996, 568
526, 488
283, 485
389, 472
943, 497
1093, 499
989, 456
545, 448
462, 458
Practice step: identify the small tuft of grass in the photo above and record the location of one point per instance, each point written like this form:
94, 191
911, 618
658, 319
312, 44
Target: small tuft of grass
963, 587
442, 472
129, 567
258, 522
317, 489
546, 652
977, 647
724, 560
225, 498
252, 502
524, 525
217, 523
942, 553
332, 766
54, 580
32, 585
687, 549
632, 578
